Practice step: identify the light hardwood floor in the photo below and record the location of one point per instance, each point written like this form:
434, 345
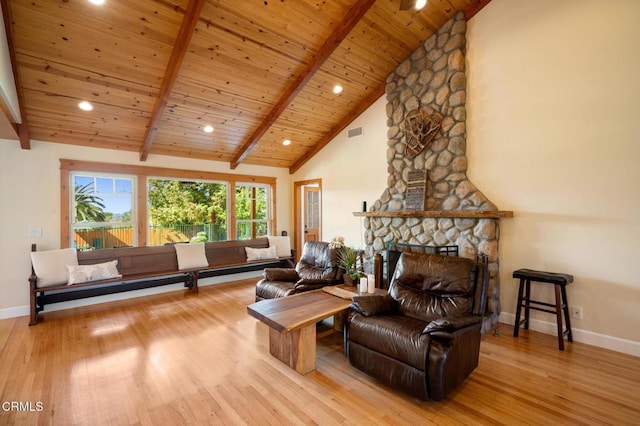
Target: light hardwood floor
179, 358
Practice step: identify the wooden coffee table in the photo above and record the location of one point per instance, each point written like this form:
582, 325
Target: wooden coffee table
292, 324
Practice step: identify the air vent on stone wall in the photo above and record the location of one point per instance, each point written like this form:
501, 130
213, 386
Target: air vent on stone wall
352, 133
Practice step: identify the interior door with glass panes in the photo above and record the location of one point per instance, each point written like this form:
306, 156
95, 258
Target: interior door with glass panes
311, 213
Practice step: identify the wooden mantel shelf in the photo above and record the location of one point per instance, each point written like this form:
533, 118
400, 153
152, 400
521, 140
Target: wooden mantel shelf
484, 214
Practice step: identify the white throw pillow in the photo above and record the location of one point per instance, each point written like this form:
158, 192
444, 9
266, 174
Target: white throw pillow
282, 245
50, 266
99, 271
191, 256
260, 253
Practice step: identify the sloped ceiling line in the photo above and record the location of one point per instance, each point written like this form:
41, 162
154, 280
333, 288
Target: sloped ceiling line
353, 16
180, 47
335, 131
470, 11
286, 48
21, 128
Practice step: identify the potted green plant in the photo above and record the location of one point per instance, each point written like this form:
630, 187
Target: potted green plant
348, 260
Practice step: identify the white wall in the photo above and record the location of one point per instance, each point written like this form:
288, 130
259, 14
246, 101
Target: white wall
552, 134
352, 170
30, 198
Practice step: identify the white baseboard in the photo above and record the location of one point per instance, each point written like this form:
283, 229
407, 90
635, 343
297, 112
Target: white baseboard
617, 344
14, 312
19, 311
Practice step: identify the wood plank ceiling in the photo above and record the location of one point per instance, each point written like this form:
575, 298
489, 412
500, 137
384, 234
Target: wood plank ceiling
259, 72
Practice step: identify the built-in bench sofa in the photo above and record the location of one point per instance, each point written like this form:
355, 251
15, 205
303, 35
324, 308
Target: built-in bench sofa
153, 266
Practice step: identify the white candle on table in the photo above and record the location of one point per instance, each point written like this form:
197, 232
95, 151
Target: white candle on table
371, 283
364, 286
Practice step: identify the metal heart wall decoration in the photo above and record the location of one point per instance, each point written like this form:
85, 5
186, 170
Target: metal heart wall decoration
420, 128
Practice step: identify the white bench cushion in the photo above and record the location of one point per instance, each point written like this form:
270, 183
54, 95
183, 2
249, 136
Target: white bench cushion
282, 245
50, 266
191, 256
85, 273
261, 253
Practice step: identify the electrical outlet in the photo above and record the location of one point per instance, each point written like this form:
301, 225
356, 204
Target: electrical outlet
576, 312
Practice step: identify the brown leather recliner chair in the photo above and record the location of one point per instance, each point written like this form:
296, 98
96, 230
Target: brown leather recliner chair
317, 267
424, 336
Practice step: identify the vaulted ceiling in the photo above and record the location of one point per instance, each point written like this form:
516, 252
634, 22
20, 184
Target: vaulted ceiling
258, 71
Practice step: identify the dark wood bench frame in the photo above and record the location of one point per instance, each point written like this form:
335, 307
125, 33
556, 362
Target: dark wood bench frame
153, 266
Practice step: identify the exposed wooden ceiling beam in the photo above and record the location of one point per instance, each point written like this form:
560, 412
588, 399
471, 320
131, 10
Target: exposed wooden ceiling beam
348, 119
21, 128
469, 12
8, 126
353, 16
474, 8
171, 72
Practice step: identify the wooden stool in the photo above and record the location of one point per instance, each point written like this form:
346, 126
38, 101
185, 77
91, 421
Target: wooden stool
524, 300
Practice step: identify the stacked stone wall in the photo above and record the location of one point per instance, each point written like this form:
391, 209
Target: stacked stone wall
433, 79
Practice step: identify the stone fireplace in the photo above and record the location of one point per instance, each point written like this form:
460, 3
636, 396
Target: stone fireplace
433, 79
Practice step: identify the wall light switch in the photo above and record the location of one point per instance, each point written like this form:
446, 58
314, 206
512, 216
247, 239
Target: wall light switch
35, 232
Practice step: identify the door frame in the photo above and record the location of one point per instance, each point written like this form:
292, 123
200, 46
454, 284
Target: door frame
298, 201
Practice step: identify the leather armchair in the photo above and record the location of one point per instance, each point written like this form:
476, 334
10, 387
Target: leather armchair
317, 267
423, 337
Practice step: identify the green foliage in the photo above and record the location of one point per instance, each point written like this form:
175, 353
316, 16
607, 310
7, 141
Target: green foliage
174, 202
244, 197
201, 237
348, 260
89, 207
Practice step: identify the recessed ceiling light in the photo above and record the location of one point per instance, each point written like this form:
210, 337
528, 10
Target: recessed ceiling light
286, 142
97, 2
85, 106
337, 89
208, 129
420, 4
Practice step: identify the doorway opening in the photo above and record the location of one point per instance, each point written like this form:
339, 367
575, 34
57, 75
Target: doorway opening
307, 214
